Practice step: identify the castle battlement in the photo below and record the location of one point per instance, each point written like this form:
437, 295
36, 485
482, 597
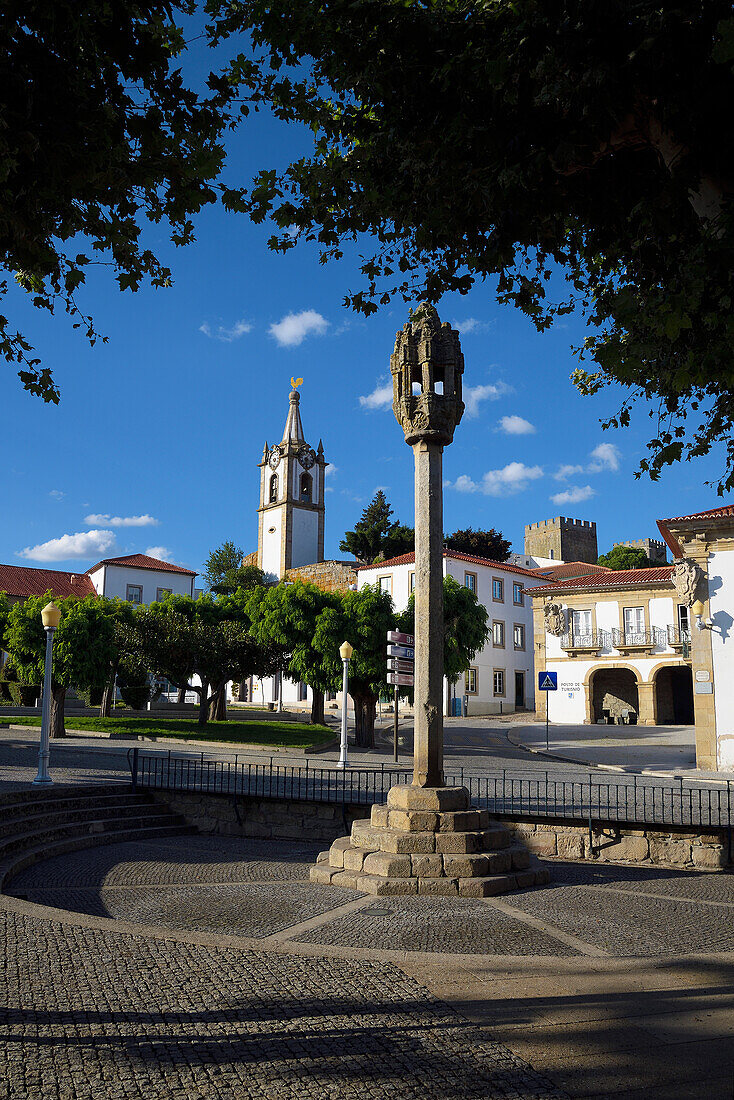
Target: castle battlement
562, 538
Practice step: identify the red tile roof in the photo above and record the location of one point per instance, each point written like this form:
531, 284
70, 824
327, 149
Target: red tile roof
721, 512
21, 581
143, 561
408, 559
612, 579
569, 569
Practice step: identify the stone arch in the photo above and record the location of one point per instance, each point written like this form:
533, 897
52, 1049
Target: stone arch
306, 488
612, 688
673, 693
273, 492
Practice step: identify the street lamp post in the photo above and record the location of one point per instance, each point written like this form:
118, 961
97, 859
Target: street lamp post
50, 617
345, 652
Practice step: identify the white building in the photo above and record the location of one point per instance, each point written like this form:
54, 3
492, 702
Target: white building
501, 678
140, 579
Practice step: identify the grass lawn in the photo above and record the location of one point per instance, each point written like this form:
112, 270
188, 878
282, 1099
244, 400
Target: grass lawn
258, 732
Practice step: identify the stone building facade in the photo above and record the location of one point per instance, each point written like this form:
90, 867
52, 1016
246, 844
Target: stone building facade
562, 539
656, 550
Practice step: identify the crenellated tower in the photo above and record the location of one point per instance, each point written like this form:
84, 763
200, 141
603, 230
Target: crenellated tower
291, 513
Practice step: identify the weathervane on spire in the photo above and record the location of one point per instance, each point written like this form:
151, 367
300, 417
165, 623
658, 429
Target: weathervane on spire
296, 382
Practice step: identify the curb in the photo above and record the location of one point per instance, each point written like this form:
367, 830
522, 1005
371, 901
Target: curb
229, 746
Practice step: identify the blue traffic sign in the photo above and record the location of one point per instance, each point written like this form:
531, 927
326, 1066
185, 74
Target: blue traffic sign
547, 681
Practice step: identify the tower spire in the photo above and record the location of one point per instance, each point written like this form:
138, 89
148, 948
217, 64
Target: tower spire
293, 432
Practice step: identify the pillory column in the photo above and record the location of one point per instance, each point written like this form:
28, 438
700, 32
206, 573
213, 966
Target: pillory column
426, 368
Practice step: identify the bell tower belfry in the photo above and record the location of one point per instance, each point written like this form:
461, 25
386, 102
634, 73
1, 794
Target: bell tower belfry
291, 513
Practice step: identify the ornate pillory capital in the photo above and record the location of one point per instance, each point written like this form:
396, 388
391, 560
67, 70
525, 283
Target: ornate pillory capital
426, 367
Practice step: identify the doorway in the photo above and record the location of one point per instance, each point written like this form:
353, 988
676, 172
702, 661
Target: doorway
519, 691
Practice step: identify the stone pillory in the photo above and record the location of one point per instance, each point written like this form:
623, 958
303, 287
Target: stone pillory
427, 355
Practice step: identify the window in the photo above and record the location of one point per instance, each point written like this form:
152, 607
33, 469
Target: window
518, 634
683, 620
385, 584
470, 681
498, 634
134, 593
498, 590
161, 593
470, 582
581, 624
306, 488
498, 681
273, 494
634, 623
302, 692
518, 595
411, 582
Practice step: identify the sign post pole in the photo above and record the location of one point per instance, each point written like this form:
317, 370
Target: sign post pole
547, 708
395, 727
547, 682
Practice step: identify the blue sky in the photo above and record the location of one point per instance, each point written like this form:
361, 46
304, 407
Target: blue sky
155, 444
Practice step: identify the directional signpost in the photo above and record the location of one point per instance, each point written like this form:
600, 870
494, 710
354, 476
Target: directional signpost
547, 681
400, 658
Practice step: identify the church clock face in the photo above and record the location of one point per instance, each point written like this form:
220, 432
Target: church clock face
306, 457
274, 458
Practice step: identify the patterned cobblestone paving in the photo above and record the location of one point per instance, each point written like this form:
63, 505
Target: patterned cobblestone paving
89, 1014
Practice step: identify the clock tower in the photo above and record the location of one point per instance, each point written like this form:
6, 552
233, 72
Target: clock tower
291, 512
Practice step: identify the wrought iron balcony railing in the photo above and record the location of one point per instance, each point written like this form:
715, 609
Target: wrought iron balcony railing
637, 639
598, 639
678, 638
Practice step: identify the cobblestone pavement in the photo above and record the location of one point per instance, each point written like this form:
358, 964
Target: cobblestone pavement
257, 888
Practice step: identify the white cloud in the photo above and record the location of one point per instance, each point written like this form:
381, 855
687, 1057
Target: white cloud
293, 329
516, 425
512, 478
57, 494
227, 335
161, 552
471, 324
96, 520
380, 398
574, 495
491, 392
330, 469
566, 471
604, 457
83, 544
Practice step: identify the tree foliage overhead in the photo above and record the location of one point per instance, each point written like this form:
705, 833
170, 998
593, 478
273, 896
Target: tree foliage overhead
479, 138
482, 544
100, 134
465, 629
376, 536
625, 557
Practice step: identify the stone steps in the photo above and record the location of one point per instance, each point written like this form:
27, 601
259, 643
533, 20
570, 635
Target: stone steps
429, 841
38, 824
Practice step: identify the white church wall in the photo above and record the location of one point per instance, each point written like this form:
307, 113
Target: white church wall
305, 544
272, 528
721, 586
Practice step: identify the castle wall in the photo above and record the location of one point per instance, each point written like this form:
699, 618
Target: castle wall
562, 539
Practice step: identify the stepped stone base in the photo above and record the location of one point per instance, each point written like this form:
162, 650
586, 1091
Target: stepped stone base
429, 840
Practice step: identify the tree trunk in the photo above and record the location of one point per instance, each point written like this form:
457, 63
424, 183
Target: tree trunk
317, 708
365, 707
181, 697
108, 696
218, 705
56, 725
204, 703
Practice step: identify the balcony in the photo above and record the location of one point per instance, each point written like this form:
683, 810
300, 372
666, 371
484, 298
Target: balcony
637, 641
574, 644
679, 640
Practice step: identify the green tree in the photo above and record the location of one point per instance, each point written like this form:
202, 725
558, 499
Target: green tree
225, 559
100, 135
625, 557
481, 544
363, 619
120, 613
376, 536
465, 629
83, 647
287, 615
511, 140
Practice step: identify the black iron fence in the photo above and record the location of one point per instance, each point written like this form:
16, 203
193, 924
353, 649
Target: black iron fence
631, 800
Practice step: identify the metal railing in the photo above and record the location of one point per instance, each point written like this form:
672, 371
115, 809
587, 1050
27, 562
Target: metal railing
630, 800
599, 639
645, 638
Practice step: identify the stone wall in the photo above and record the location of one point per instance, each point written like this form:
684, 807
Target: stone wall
331, 576
663, 846
274, 819
562, 538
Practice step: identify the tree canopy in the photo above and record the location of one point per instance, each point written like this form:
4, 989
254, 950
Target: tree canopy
465, 628
482, 544
625, 557
376, 536
511, 140
100, 135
